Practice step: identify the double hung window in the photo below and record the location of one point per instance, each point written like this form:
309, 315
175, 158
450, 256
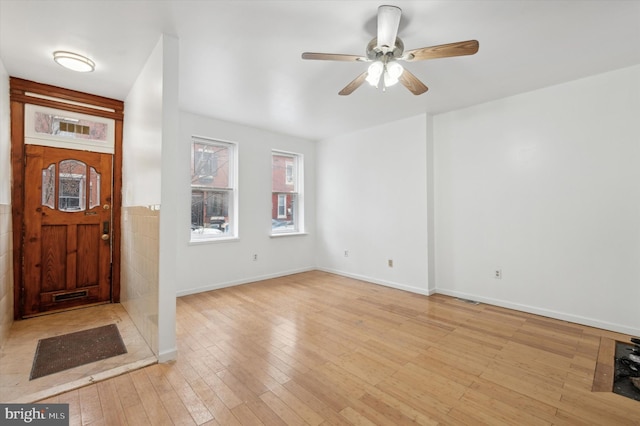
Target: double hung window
213, 190
286, 184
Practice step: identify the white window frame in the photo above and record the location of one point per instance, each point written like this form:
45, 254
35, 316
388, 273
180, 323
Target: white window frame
232, 232
296, 178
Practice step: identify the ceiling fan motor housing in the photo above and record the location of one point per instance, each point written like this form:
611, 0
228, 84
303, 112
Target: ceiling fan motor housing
375, 53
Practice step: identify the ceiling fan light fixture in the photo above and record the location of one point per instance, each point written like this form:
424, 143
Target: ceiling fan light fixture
374, 73
383, 52
392, 73
73, 61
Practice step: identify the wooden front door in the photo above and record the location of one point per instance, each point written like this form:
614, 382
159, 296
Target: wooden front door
67, 229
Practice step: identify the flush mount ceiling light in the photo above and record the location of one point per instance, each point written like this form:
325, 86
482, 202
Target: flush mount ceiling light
73, 61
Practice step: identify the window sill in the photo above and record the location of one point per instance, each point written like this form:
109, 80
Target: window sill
287, 234
214, 241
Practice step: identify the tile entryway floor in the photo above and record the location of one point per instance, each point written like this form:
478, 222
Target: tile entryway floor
16, 357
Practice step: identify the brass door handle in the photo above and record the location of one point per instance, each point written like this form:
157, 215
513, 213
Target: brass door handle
105, 237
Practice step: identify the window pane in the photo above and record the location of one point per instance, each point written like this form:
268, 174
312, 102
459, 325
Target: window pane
284, 173
210, 213
51, 124
211, 165
94, 188
284, 214
49, 186
71, 186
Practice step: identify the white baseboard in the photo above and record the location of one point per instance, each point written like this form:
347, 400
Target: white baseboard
591, 322
248, 280
385, 283
168, 355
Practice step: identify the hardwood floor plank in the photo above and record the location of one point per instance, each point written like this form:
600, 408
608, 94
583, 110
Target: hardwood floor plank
90, 407
377, 398
379, 412
264, 412
305, 412
246, 416
318, 403
73, 399
355, 418
224, 392
221, 413
484, 406
239, 388
156, 413
283, 411
605, 366
427, 404
136, 415
365, 367
514, 399
113, 412
512, 379
344, 382
196, 408
126, 391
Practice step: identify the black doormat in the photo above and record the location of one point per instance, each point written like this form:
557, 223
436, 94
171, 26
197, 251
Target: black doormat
60, 353
624, 371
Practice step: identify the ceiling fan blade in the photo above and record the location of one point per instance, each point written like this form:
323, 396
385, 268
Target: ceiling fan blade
357, 82
333, 57
460, 48
412, 83
388, 23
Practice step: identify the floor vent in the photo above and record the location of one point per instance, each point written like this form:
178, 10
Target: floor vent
471, 302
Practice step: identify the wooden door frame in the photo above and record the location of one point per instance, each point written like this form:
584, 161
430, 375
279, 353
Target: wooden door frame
28, 92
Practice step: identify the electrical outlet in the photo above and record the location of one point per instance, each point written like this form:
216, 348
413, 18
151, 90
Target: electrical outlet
346, 253
390, 263
255, 257
497, 274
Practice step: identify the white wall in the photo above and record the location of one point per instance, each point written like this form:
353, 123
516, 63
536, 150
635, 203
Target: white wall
5, 138
546, 186
372, 201
167, 346
149, 145
206, 266
6, 234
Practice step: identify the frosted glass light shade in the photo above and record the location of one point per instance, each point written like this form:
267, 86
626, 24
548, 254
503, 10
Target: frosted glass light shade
374, 72
73, 61
392, 73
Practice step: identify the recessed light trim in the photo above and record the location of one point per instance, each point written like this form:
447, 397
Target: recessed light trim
73, 61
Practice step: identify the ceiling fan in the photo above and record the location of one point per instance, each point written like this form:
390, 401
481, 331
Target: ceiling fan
387, 49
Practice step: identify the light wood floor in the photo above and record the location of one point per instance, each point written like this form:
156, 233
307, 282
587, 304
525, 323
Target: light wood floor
320, 349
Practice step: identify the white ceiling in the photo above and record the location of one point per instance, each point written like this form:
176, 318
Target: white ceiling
240, 60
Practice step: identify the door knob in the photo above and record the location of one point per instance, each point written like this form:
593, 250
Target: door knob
105, 237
